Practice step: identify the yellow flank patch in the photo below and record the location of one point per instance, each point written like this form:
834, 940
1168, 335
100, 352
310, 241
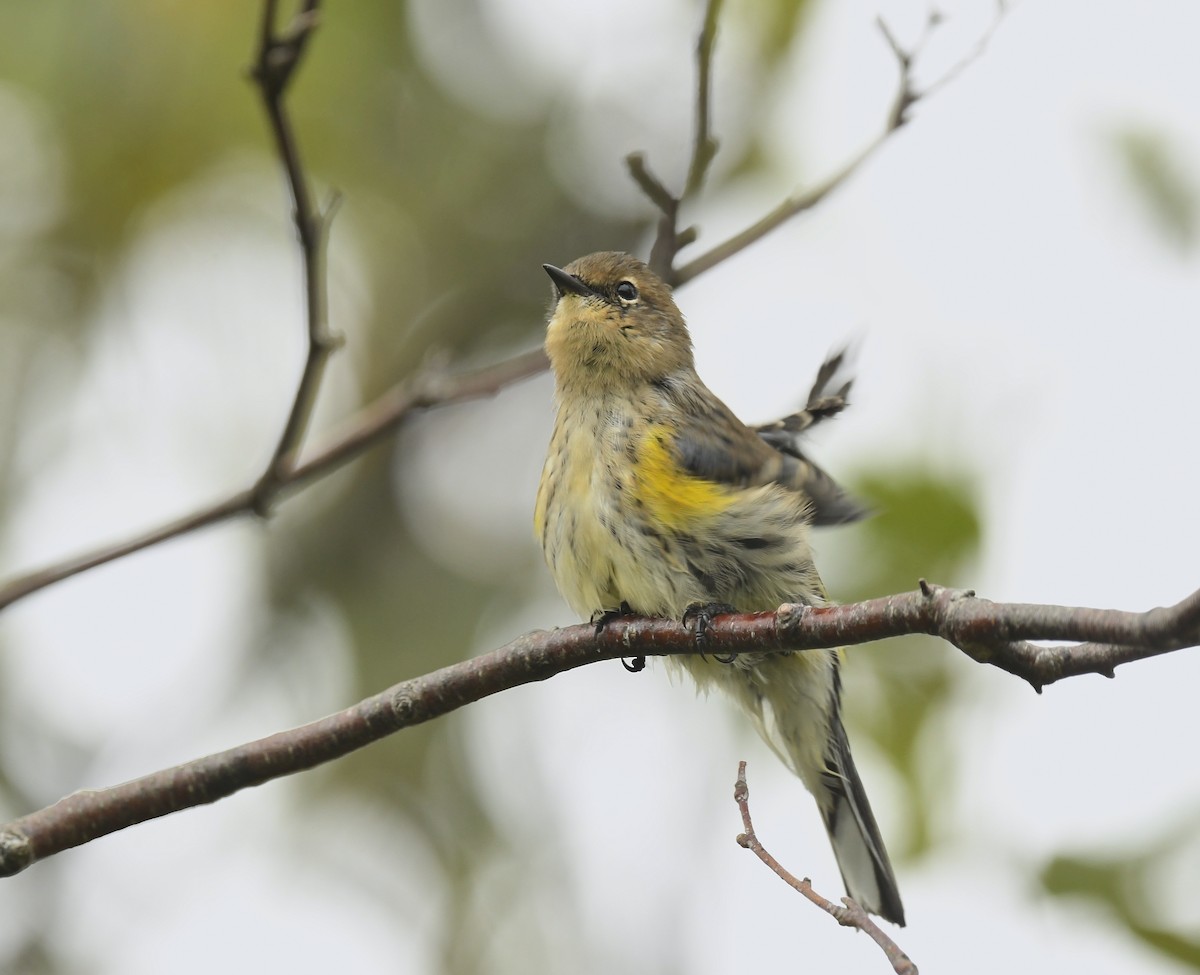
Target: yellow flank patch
673, 497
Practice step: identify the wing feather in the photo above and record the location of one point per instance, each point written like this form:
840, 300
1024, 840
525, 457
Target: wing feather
713, 444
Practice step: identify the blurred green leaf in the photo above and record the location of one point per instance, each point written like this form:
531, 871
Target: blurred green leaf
925, 526
1162, 183
778, 24
1123, 886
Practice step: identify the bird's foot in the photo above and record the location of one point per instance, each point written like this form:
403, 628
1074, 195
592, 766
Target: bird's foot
602, 617
702, 615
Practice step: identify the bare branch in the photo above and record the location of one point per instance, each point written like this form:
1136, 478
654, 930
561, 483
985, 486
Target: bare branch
905, 94
361, 431
426, 391
905, 98
650, 184
795, 204
850, 916
668, 239
704, 147
994, 633
973, 55
279, 54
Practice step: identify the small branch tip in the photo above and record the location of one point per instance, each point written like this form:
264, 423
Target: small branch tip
333, 203
902, 56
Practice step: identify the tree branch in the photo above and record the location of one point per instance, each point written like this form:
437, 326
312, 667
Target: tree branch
993, 633
704, 146
905, 98
850, 916
424, 391
669, 240
279, 54
793, 205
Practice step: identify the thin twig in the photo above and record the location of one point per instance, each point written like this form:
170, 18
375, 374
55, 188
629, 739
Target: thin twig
704, 145
362, 430
669, 240
666, 240
795, 204
905, 98
428, 390
973, 55
650, 184
850, 916
994, 633
279, 54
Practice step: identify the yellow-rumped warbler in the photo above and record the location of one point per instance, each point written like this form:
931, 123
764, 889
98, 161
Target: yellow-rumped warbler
657, 500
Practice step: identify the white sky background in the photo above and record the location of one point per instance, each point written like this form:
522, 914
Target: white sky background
1020, 319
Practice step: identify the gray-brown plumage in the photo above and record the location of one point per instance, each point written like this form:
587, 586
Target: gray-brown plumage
656, 497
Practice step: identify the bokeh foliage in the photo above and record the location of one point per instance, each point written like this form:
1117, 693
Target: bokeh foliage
1157, 173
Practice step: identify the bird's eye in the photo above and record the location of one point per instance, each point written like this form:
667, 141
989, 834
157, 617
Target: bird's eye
627, 291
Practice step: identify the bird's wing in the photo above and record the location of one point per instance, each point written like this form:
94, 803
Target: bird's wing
830, 394
832, 504
714, 444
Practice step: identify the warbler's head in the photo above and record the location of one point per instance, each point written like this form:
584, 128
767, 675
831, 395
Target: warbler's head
614, 324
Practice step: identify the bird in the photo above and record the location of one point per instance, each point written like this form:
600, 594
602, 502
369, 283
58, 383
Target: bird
656, 500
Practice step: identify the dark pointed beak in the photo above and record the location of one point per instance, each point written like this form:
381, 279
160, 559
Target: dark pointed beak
566, 284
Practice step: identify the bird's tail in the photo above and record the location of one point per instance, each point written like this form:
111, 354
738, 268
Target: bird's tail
859, 848
795, 702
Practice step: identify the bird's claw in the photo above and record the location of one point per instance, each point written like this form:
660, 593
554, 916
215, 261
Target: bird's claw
602, 617
703, 614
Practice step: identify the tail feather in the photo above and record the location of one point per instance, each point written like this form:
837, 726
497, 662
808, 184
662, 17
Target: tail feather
857, 845
795, 701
